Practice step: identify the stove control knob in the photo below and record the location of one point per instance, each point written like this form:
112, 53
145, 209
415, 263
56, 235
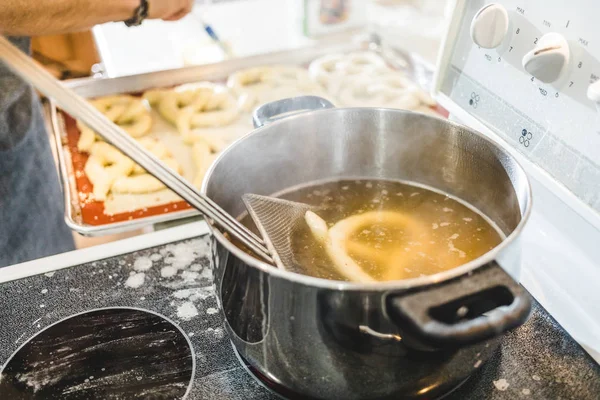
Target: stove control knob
489, 26
548, 59
593, 92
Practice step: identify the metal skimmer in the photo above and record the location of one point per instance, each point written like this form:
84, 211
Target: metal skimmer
276, 220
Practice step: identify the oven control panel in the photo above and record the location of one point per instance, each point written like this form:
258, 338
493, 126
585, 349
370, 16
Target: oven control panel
529, 71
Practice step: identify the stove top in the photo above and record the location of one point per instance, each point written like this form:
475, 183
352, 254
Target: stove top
174, 282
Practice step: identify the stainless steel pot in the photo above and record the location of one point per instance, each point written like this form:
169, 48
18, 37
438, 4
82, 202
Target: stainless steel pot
414, 338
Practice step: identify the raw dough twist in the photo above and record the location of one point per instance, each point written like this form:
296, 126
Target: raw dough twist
363, 79
205, 150
195, 106
129, 112
260, 85
331, 70
139, 181
392, 91
104, 166
109, 170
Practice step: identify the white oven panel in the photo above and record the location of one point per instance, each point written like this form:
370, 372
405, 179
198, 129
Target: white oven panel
526, 74
530, 85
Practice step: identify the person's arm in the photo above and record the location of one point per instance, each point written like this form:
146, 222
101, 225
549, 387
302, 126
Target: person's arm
45, 17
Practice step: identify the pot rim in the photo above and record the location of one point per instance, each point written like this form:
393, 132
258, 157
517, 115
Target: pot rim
382, 285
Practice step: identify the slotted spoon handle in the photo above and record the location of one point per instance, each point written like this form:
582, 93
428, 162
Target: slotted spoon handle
78, 107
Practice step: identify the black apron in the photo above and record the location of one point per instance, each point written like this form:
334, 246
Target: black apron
31, 203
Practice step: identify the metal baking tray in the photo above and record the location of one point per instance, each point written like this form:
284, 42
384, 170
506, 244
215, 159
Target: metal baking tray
414, 66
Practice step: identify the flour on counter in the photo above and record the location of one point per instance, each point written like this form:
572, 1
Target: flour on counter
44, 291
196, 267
189, 276
50, 274
135, 281
186, 298
183, 257
155, 257
184, 254
167, 272
194, 294
142, 264
184, 293
186, 311
211, 310
501, 384
218, 332
207, 274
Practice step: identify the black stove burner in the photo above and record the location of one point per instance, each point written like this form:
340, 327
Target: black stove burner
113, 353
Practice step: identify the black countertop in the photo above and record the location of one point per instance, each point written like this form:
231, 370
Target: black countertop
537, 361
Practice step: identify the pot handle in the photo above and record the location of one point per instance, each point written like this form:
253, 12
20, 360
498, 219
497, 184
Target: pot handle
465, 311
278, 109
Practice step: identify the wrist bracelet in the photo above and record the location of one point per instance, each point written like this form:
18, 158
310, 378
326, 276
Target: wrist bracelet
139, 15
